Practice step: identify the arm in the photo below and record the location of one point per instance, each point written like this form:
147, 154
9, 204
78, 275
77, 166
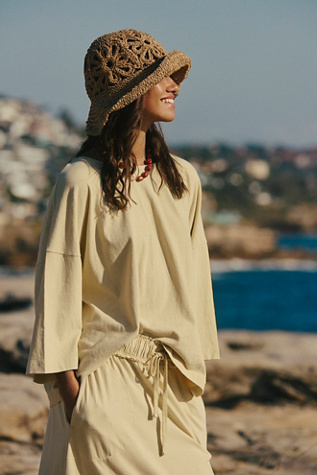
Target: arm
68, 386
206, 320
59, 282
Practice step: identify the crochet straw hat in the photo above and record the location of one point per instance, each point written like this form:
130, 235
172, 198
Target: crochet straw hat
122, 66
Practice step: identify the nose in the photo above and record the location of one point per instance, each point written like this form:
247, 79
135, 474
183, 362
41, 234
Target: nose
172, 86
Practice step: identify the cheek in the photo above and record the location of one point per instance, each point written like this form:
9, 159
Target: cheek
154, 94
152, 102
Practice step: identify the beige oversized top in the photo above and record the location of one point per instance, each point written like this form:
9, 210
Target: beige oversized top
102, 278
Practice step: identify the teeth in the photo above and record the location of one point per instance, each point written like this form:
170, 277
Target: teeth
168, 101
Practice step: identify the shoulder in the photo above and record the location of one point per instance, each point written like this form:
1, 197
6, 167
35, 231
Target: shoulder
188, 171
79, 173
80, 170
78, 180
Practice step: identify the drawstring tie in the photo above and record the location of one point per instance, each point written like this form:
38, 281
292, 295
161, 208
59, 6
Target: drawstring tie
154, 370
151, 353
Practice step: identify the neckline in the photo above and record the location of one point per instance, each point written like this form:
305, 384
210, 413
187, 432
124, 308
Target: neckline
99, 161
138, 171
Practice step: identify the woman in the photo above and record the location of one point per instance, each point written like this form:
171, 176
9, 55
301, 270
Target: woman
124, 308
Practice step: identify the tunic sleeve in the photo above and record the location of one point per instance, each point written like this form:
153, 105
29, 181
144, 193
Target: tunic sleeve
58, 281
206, 319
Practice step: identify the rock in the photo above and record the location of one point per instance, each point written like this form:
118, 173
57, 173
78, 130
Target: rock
18, 459
305, 215
273, 387
267, 349
19, 243
252, 439
23, 415
16, 326
23, 409
11, 303
15, 340
245, 241
263, 367
261, 400
237, 240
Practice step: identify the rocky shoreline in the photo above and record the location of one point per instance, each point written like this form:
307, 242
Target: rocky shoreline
19, 243
261, 401
260, 397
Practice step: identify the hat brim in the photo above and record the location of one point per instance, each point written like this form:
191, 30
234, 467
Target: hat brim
174, 64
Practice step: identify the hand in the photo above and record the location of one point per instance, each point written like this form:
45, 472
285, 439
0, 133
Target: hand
68, 386
70, 402
69, 407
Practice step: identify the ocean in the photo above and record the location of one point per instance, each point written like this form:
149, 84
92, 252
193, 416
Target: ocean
261, 295
276, 296
298, 241
268, 295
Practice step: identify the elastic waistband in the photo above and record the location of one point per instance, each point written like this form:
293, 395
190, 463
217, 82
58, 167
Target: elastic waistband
141, 349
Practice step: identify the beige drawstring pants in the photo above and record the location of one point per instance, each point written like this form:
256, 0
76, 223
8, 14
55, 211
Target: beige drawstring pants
134, 415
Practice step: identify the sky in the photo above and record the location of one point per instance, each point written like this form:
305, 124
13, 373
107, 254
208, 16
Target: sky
254, 73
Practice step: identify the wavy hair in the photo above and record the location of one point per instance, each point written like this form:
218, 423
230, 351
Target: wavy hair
114, 145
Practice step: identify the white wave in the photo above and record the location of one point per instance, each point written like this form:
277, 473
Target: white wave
240, 265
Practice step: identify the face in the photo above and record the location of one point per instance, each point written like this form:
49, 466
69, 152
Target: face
159, 102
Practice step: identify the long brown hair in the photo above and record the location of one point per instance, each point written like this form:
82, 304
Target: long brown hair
114, 145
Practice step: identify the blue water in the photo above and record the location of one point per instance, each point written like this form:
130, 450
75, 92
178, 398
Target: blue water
277, 297
298, 241
267, 295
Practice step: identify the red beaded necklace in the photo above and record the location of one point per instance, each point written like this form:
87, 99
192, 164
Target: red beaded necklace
148, 162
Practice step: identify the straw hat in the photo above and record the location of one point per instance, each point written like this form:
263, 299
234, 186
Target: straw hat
122, 66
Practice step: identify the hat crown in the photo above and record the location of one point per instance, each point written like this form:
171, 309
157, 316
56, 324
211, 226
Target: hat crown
116, 58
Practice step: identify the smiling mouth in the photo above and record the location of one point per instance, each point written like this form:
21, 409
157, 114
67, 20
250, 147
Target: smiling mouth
168, 101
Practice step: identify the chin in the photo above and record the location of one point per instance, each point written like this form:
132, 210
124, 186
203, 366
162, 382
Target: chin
166, 118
